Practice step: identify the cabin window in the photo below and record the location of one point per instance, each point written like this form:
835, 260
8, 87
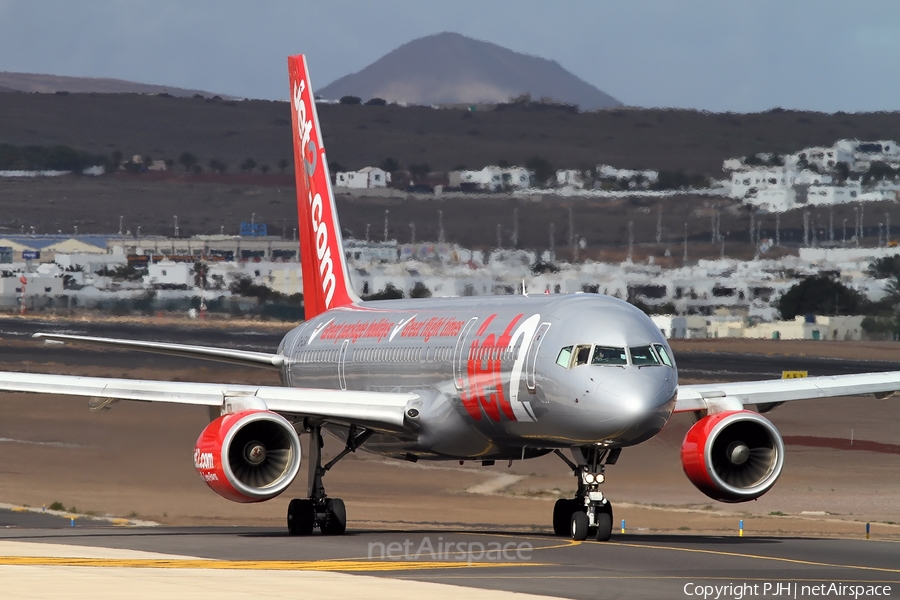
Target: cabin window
643, 356
607, 355
565, 355
663, 355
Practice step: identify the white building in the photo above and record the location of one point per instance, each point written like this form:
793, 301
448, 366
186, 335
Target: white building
817, 328
774, 200
287, 279
493, 178
36, 284
167, 272
830, 194
360, 251
369, 177
91, 263
752, 181
570, 177
610, 172
671, 326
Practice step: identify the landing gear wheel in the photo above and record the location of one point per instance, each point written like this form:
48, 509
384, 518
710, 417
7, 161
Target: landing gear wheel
301, 517
604, 526
562, 514
579, 526
336, 517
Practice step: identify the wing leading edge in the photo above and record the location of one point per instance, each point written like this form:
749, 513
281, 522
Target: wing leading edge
775, 391
240, 357
373, 410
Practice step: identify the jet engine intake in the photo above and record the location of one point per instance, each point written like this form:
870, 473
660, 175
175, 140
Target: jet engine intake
248, 456
733, 456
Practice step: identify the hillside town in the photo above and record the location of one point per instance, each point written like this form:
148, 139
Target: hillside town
711, 298
724, 297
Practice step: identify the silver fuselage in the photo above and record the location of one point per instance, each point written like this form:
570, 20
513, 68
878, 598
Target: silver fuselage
491, 372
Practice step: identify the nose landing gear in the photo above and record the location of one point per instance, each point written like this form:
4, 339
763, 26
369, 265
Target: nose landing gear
589, 512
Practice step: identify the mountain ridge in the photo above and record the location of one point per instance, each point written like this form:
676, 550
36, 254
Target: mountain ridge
50, 84
449, 68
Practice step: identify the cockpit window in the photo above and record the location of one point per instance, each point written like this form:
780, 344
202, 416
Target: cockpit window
565, 355
663, 355
582, 355
643, 355
605, 355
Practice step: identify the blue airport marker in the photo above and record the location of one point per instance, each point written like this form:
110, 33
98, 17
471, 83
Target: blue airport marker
741, 530
73, 522
867, 530
623, 525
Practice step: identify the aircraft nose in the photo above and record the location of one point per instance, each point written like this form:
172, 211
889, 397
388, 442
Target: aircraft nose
641, 402
637, 392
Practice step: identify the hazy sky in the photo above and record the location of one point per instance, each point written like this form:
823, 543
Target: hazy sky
718, 55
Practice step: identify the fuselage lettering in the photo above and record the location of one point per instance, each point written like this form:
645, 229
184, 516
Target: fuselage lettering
323, 250
483, 390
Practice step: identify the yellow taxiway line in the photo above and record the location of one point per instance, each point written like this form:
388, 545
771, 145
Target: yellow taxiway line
755, 557
256, 565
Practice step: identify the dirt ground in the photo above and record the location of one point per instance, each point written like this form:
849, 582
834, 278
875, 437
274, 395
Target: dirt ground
136, 460
886, 351
208, 204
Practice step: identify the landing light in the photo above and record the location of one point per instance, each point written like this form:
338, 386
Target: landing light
592, 478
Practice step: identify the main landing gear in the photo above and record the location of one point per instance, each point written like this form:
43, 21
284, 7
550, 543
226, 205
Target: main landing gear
328, 514
589, 512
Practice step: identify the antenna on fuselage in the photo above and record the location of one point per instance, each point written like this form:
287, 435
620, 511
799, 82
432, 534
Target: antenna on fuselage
524, 289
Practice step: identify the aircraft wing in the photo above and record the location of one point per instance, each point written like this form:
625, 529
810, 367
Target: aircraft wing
241, 357
373, 410
769, 393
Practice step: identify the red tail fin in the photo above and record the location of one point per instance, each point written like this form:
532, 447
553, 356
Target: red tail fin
326, 282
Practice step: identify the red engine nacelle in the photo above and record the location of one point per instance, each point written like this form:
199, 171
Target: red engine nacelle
248, 456
733, 456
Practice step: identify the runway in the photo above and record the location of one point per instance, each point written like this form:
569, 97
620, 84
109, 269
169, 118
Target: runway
630, 566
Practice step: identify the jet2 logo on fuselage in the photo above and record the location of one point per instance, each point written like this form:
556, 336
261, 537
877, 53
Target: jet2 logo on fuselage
483, 389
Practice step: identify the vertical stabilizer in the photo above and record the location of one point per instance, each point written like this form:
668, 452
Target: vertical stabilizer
326, 281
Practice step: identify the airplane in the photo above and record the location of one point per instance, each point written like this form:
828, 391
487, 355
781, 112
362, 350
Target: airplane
486, 379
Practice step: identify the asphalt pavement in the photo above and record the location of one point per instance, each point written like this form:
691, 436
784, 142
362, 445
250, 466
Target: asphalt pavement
630, 566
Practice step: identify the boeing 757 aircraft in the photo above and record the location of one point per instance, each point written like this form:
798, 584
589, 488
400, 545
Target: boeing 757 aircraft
481, 379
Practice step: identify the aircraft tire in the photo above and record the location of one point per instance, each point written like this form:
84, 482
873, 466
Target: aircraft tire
604, 526
301, 517
562, 515
579, 526
336, 519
